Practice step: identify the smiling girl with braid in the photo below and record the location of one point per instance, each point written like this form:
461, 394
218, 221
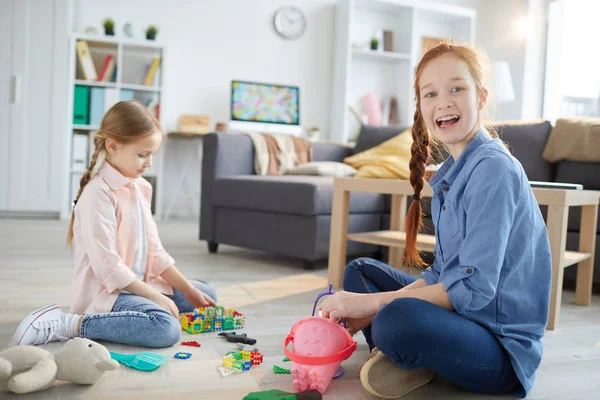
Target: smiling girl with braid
476, 316
126, 287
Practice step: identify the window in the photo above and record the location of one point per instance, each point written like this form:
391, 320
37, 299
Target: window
572, 82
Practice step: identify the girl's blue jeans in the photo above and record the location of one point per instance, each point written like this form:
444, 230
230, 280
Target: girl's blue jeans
137, 321
414, 333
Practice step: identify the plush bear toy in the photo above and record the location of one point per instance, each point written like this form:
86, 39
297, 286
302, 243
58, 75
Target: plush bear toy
25, 369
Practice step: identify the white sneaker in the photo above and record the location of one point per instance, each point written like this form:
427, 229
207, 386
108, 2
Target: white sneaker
40, 327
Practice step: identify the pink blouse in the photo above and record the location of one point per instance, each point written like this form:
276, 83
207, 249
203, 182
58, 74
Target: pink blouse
105, 231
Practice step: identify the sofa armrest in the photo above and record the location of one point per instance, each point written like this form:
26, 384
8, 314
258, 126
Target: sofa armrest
330, 151
223, 154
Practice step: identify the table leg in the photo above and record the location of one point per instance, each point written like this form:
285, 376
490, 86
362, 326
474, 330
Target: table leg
587, 244
557, 233
397, 220
338, 236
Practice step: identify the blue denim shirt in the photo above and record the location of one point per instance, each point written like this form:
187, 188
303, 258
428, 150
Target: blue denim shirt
492, 251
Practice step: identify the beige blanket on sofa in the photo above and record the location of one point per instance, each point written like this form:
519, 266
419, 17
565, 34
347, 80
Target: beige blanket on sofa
276, 154
574, 139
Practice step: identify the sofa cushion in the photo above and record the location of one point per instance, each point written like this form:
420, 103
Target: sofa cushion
527, 142
371, 136
322, 168
289, 194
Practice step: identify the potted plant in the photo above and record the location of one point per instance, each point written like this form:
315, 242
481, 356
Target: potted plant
109, 27
151, 32
374, 43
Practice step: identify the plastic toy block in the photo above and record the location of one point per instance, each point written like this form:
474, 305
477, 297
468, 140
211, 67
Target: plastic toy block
192, 343
285, 359
279, 370
211, 319
234, 338
242, 360
182, 355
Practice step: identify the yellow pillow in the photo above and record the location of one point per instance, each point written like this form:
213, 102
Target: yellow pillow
389, 160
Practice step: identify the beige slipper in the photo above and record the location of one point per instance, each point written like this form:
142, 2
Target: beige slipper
382, 378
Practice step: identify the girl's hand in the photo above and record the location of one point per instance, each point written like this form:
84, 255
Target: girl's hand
166, 303
354, 325
198, 298
351, 305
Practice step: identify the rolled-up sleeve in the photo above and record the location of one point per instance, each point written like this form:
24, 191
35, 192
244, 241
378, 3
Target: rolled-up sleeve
99, 234
490, 199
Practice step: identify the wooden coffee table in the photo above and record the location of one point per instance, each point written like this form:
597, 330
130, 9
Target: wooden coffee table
557, 200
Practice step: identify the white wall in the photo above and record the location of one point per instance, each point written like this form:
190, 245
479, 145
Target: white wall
209, 43
498, 35
212, 42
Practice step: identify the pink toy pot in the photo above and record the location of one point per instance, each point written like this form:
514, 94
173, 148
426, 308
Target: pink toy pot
319, 346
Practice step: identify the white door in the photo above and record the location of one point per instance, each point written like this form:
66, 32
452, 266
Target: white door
6, 19
35, 162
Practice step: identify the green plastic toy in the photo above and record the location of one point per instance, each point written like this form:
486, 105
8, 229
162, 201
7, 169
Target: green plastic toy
144, 361
279, 370
281, 395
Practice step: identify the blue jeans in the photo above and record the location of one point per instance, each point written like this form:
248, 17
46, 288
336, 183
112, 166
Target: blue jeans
137, 321
414, 333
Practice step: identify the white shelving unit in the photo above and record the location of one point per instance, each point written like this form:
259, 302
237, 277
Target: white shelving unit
131, 58
359, 71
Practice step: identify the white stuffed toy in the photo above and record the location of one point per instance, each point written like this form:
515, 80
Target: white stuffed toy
25, 369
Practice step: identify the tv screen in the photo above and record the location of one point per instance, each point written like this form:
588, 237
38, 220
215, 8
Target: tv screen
266, 103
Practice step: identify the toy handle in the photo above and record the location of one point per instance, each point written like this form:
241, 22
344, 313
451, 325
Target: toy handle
320, 360
329, 292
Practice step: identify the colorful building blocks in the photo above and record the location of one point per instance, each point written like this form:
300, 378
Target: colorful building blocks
182, 355
242, 360
212, 319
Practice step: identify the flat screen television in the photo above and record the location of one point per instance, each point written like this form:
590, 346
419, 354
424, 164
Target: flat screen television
265, 103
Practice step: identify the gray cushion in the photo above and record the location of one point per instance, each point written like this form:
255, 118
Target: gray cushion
371, 136
587, 174
323, 151
527, 143
302, 195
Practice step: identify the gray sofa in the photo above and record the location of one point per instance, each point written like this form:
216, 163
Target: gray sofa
291, 215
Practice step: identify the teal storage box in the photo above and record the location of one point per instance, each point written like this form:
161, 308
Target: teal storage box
96, 106
81, 105
126, 94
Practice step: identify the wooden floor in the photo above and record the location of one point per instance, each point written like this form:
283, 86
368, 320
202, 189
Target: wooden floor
273, 293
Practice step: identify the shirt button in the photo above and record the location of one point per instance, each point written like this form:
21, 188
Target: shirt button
469, 271
445, 189
444, 207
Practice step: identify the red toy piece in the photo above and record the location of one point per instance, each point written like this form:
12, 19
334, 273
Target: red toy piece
193, 343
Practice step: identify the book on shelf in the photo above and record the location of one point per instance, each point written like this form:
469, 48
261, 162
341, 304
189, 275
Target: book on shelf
96, 105
79, 160
111, 97
85, 61
154, 106
152, 71
108, 68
